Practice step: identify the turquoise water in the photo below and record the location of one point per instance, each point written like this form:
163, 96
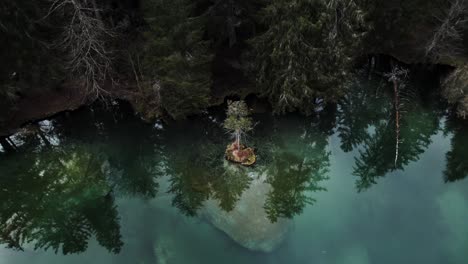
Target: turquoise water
101, 186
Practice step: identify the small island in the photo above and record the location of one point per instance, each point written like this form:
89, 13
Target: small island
238, 123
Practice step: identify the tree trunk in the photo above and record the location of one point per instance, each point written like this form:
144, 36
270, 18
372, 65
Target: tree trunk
397, 119
238, 140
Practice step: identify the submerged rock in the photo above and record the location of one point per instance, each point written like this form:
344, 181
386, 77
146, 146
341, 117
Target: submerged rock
247, 223
164, 250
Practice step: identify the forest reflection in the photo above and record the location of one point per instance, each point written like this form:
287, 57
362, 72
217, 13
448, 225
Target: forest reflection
197, 170
366, 122
60, 179
457, 167
58, 198
299, 163
293, 160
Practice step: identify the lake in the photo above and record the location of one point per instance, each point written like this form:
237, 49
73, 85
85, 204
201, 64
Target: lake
99, 185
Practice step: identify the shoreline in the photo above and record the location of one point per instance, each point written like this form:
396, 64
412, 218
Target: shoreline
39, 107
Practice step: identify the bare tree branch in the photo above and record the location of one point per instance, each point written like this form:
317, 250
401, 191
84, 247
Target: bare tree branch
455, 90
85, 39
445, 41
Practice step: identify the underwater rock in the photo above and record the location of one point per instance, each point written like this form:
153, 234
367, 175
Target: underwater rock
164, 250
247, 223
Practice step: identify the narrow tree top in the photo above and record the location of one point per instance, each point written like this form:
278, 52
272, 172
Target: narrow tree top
237, 116
237, 108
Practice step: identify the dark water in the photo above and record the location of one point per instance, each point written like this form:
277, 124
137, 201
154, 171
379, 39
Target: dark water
100, 186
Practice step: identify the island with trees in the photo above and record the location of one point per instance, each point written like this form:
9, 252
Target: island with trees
238, 123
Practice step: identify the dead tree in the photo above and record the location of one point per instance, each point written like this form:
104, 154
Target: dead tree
395, 77
447, 37
85, 39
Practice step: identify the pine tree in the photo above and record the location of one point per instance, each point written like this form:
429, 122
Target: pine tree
29, 65
299, 163
176, 58
377, 156
237, 122
457, 167
231, 21
455, 90
306, 51
64, 197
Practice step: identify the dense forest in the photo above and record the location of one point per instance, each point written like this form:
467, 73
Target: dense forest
172, 59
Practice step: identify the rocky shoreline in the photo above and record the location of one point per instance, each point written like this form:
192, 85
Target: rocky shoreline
35, 108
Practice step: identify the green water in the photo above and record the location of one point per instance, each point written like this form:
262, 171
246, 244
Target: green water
101, 186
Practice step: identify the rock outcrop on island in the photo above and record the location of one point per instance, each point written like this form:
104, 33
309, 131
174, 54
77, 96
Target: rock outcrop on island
240, 154
247, 223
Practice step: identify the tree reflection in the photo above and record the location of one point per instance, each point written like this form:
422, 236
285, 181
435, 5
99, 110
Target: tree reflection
57, 198
299, 163
358, 111
132, 147
292, 153
197, 168
373, 131
58, 187
457, 165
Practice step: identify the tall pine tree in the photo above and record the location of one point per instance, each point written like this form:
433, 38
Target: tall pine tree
176, 59
306, 51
